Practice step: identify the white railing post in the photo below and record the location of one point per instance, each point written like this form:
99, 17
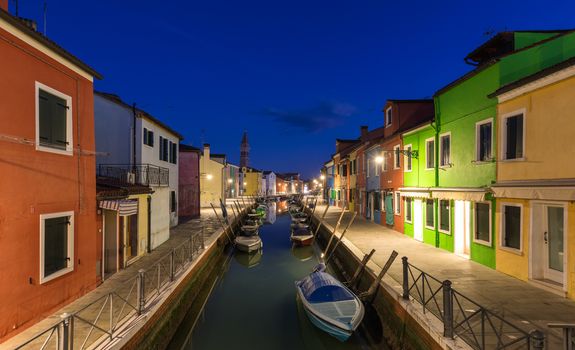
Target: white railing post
141, 290
66, 332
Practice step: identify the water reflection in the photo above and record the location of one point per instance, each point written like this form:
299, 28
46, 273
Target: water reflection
248, 260
302, 253
271, 213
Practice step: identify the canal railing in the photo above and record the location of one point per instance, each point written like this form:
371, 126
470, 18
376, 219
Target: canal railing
479, 327
113, 313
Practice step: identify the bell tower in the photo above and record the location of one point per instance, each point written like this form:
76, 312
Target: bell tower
245, 151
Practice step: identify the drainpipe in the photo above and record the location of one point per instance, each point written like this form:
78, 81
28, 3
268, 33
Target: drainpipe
134, 136
436, 125
149, 245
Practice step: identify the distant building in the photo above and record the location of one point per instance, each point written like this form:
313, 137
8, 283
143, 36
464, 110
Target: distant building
189, 181
211, 178
232, 180
139, 149
245, 151
252, 182
51, 248
270, 178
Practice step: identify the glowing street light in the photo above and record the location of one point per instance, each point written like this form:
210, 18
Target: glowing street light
230, 181
379, 159
322, 177
209, 176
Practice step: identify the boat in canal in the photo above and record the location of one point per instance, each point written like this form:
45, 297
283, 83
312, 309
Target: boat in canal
249, 244
329, 304
301, 236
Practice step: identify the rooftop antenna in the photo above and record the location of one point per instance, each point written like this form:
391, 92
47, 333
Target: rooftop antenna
45, 15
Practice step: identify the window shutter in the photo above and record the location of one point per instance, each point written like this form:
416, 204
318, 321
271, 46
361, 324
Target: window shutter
151, 138
45, 118
145, 136
161, 147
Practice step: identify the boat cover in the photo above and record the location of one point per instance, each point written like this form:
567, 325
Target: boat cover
321, 287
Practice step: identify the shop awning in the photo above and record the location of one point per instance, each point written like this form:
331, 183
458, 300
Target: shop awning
543, 193
415, 192
124, 207
463, 194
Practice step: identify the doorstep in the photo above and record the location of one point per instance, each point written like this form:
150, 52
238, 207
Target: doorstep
550, 286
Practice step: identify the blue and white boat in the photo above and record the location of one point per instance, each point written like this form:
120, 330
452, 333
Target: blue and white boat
330, 305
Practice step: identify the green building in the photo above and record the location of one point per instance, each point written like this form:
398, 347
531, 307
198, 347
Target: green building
448, 188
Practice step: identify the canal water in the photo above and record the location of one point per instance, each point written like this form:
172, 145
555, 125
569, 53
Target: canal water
253, 301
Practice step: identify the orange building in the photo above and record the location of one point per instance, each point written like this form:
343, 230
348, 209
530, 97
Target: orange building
48, 229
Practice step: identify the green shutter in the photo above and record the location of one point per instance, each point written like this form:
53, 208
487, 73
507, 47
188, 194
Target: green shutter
52, 120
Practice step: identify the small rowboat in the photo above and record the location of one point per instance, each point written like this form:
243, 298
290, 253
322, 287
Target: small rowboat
330, 305
249, 244
301, 236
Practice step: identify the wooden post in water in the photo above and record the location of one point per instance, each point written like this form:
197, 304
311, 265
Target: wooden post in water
221, 223
320, 222
334, 232
340, 238
373, 287
351, 283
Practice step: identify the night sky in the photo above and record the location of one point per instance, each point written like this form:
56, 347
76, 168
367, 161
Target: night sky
294, 74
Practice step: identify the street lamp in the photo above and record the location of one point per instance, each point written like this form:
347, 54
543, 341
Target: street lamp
322, 177
209, 176
230, 181
379, 159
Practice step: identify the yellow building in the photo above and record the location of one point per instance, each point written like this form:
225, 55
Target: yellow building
535, 189
252, 182
211, 177
353, 193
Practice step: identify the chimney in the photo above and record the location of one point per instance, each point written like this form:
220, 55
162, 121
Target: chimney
207, 151
362, 131
4, 5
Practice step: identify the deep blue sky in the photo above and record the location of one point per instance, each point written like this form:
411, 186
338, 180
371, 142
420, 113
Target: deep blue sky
294, 74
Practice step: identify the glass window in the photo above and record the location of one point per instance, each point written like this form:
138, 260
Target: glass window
376, 200
430, 154
484, 140
408, 201
388, 115
429, 218
173, 203
482, 229
514, 137
397, 155
57, 244
397, 203
53, 121
512, 226
445, 156
408, 158
444, 215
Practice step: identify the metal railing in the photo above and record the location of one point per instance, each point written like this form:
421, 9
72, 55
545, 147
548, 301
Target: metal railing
141, 174
105, 318
479, 327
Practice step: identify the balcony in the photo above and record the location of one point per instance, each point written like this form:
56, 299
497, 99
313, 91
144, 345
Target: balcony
139, 174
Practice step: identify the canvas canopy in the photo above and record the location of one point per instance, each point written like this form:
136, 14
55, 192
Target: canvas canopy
464, 195
124, 207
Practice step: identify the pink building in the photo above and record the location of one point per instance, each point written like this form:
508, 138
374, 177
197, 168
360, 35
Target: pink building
189, 181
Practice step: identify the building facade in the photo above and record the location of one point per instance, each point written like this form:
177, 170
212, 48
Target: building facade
50, 241
270, 181
211, 178
189, 181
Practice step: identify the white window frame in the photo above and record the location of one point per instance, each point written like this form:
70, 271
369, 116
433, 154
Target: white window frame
477, 143
445, 134
397, 203
502, 226
384, 162
406, 161
396, 156
70, 267
405, 202
425, 217
448, 231
69, 151
388, 116
480, 241
503, 128
431, 139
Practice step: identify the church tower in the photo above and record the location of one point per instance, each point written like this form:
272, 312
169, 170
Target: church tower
245, 151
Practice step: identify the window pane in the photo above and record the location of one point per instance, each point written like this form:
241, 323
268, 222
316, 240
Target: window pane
430, 154
485, 142
482, 222
151, 138
429, 220
409, 158
445, 150
512, 228
444, 215
145, 136
52, 120
514, 136
161, 147
55, 245
408, 209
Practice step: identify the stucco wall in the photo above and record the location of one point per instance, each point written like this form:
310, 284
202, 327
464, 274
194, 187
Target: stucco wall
189, 184
210, 189
160, 216
34, 182
418, 176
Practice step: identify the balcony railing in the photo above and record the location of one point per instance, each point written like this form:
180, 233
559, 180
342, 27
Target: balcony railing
139, 174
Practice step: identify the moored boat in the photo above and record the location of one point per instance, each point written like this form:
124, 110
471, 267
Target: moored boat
249, 244
329, 304
301, 236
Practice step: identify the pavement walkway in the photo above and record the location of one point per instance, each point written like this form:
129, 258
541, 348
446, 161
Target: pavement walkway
520, 303
121, 282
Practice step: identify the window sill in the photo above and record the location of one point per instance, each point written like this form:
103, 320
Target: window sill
409, 221
56, 275
482, 242
397, 214
445, 232
407, 171
482, 162
64, 152
511, 250
513, 160
429, 228
427, 169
